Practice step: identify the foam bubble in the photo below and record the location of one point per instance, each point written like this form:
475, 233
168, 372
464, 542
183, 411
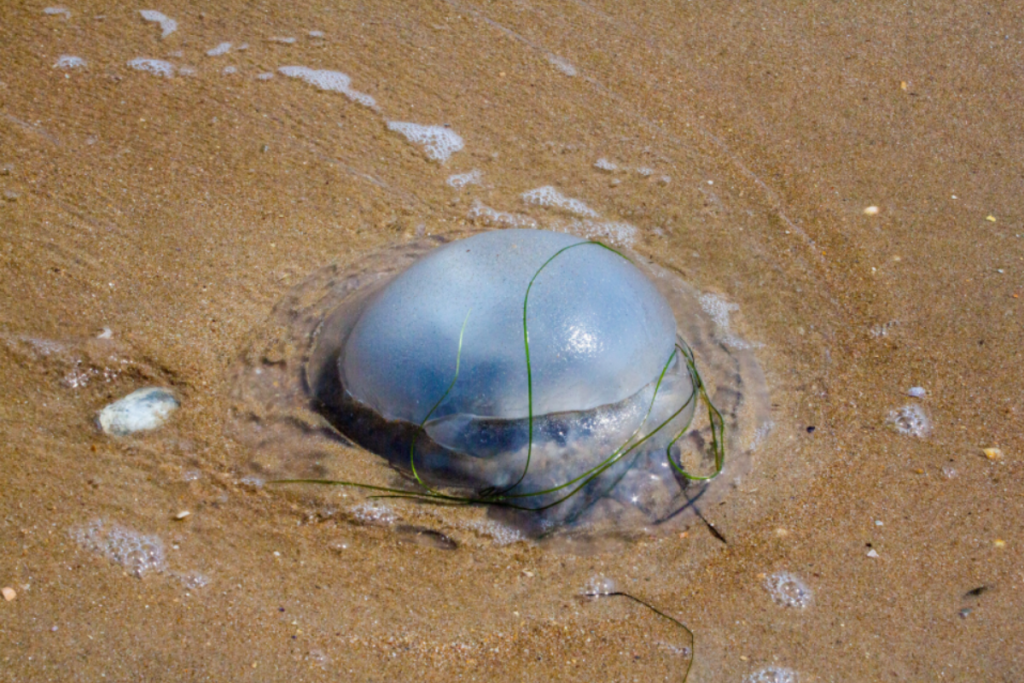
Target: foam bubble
761, 434
69, 62
460, 180
603, 164
644, 171
374, 513
334, 81
484, 215
719, 309
497, 532
551, 197
616, 232
562, 65
134, 551
283, 40
252, 481
788, 590
599, 585
58, 10
772, 674
316, 34
167, 24
157, 67
192, 580
139, 411
221, 49
438, 142
910, 420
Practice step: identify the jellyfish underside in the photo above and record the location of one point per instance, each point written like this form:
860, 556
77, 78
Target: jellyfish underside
531, 370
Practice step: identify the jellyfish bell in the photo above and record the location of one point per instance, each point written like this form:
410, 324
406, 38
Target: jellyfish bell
531, 363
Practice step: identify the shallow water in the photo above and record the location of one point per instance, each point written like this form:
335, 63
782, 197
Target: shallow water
186, 205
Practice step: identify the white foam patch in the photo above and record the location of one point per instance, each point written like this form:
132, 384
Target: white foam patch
910, 420
187, 71
283, 40
551, 197
562, 65
644, 171
334, 81
719, 309
617, 232
134, 551
374, 513
482, 214
316, 34
772, 674
460, 180
760, 434
52, 11
266, 76
139, 411
228, 70
499, 533
438, 142
221, 49
599, 585
167, 25
603, 164
788, 590
69, 62
157, 67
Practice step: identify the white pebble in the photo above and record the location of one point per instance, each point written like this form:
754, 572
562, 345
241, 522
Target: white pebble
873, 553
140, 410
916, 392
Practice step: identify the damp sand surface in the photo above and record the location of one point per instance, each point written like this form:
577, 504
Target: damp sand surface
840, 182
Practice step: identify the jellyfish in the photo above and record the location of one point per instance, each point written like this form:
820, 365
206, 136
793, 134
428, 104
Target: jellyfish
531, 370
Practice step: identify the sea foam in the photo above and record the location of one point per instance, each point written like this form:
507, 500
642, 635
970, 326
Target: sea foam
334, 81
438, 142
167, 25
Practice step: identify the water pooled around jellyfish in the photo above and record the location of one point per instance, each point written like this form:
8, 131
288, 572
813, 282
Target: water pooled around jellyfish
417, 355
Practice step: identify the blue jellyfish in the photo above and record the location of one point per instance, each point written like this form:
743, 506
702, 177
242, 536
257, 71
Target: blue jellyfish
529, 369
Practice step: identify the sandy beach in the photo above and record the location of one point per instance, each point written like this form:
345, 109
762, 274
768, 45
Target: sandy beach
181, 183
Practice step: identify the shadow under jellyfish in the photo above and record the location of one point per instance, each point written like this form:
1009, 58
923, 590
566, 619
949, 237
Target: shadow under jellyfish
532, 371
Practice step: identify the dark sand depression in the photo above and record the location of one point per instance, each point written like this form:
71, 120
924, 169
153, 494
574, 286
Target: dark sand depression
740, 147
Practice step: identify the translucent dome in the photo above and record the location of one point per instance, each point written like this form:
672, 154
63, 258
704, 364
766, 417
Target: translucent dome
599, 331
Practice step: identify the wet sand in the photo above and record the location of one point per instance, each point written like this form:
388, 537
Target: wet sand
179, 211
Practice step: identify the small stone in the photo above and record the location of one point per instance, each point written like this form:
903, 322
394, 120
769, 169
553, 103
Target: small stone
182, 515
999, 543
871, 211
916, 392
993, 453
990, 218
873, 554
141, 410
9, 593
